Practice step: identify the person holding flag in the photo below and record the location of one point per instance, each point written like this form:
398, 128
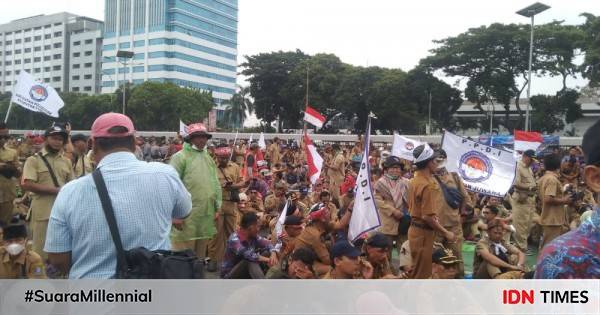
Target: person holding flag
424, 199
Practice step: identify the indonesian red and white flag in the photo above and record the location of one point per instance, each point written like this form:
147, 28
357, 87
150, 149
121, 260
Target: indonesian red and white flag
313, 159
527, 140
313, 117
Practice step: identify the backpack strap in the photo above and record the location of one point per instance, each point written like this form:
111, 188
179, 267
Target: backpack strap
54, 180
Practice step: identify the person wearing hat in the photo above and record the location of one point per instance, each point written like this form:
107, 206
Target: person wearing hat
198, 171
448, 216
81, 161
347, 264
9, 169
26, 148
313, 237
554, 220
251, 161
298, 265
304, 197
445, 264
376, 250
292, 228
574, 255
44, 174
523, 200
336, 171
255, 202
275, 201
228, 215
495, 258
146, 198
424, 199
392, 189
16, 262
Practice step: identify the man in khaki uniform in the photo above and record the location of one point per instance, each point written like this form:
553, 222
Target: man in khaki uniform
336, 172
273, 152
16, 262
26, 149
495, 258
255, 203
275, 202
82, 165
312, 237
523, 200
448, 217
554, 220
228, 216
38, 180
9, 161
424, 198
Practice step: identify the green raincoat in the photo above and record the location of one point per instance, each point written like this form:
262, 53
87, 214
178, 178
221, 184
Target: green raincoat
198, 172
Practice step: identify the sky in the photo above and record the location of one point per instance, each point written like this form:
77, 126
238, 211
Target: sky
385, 33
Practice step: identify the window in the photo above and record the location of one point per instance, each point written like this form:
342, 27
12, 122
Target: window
58, 24
8, 33
47, 80
124, 45
8, 72
87, 76
88, 65
55, 79
38, 48
47, 47
89, 41
38, 37
8, 53
7, 83
57, 45
75, 77
17, 72
37, 59
109, 47
76, 66
27, 60
47, 36
27, 70
46, 58
27, 50
77, 43
18, 61
37, 70
28, 40
8, 62
87, 88
8, 42
17, 41
56, 68
76, 54
75, 89
37, 28
17, 51
138, 43
88, 53
57, 34
27, 30
47, 69
57, 56
47, 26
57, 89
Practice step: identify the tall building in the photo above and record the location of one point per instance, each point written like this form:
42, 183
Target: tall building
61, 49
191, 43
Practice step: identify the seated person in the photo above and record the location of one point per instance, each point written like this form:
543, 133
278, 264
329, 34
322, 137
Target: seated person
444, 263
495, 258
313, 237
292, 228
405, 258
376, 251
347, 264
247, 254
16, 261
488, 214
298, 265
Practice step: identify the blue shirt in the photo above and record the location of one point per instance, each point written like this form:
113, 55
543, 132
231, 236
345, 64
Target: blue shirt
145, 198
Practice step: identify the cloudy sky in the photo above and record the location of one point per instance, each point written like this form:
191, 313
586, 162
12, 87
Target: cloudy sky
386, 33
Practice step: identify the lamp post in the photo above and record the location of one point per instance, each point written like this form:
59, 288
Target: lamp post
123, 54
530, 12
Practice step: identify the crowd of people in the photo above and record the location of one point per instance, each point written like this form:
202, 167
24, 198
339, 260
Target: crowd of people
223, 200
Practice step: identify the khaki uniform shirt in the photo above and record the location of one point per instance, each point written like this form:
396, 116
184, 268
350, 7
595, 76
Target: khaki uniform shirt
255, 206
230, 173
424, 196
25, 150
485, 245
274, 203
82, 166
13, 269
8, 189
274, 154
339, 162
524, 178
382, 270
36, 171
311, 237
389, 224
447, 216
552, 215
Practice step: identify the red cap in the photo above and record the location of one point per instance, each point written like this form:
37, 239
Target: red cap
102, 125
223, 152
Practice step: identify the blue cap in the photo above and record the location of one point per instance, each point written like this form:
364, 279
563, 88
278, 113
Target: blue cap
344, 248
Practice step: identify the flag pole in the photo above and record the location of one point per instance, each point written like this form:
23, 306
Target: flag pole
233, 146
8, 112
306, 105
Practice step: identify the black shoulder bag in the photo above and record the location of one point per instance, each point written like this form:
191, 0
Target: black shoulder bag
453, 196
54, 180
141, 263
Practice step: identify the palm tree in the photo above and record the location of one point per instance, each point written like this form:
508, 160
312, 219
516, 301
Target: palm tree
238, 108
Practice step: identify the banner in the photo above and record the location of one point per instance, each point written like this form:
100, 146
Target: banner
403, 147
36, 96
364, 213
183, 128
485, 170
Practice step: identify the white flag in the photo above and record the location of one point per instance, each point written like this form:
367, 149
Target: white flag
281, 221
250, 140
484, 169
261, 142
364, 214
403, 147
36, 96
183, 129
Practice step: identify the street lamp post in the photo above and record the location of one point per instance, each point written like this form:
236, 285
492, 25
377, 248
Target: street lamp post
123, 54
530, 12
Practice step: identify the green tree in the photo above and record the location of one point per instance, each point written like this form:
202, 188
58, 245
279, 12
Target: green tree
591, 47
237, 107
550, 113
355, 93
